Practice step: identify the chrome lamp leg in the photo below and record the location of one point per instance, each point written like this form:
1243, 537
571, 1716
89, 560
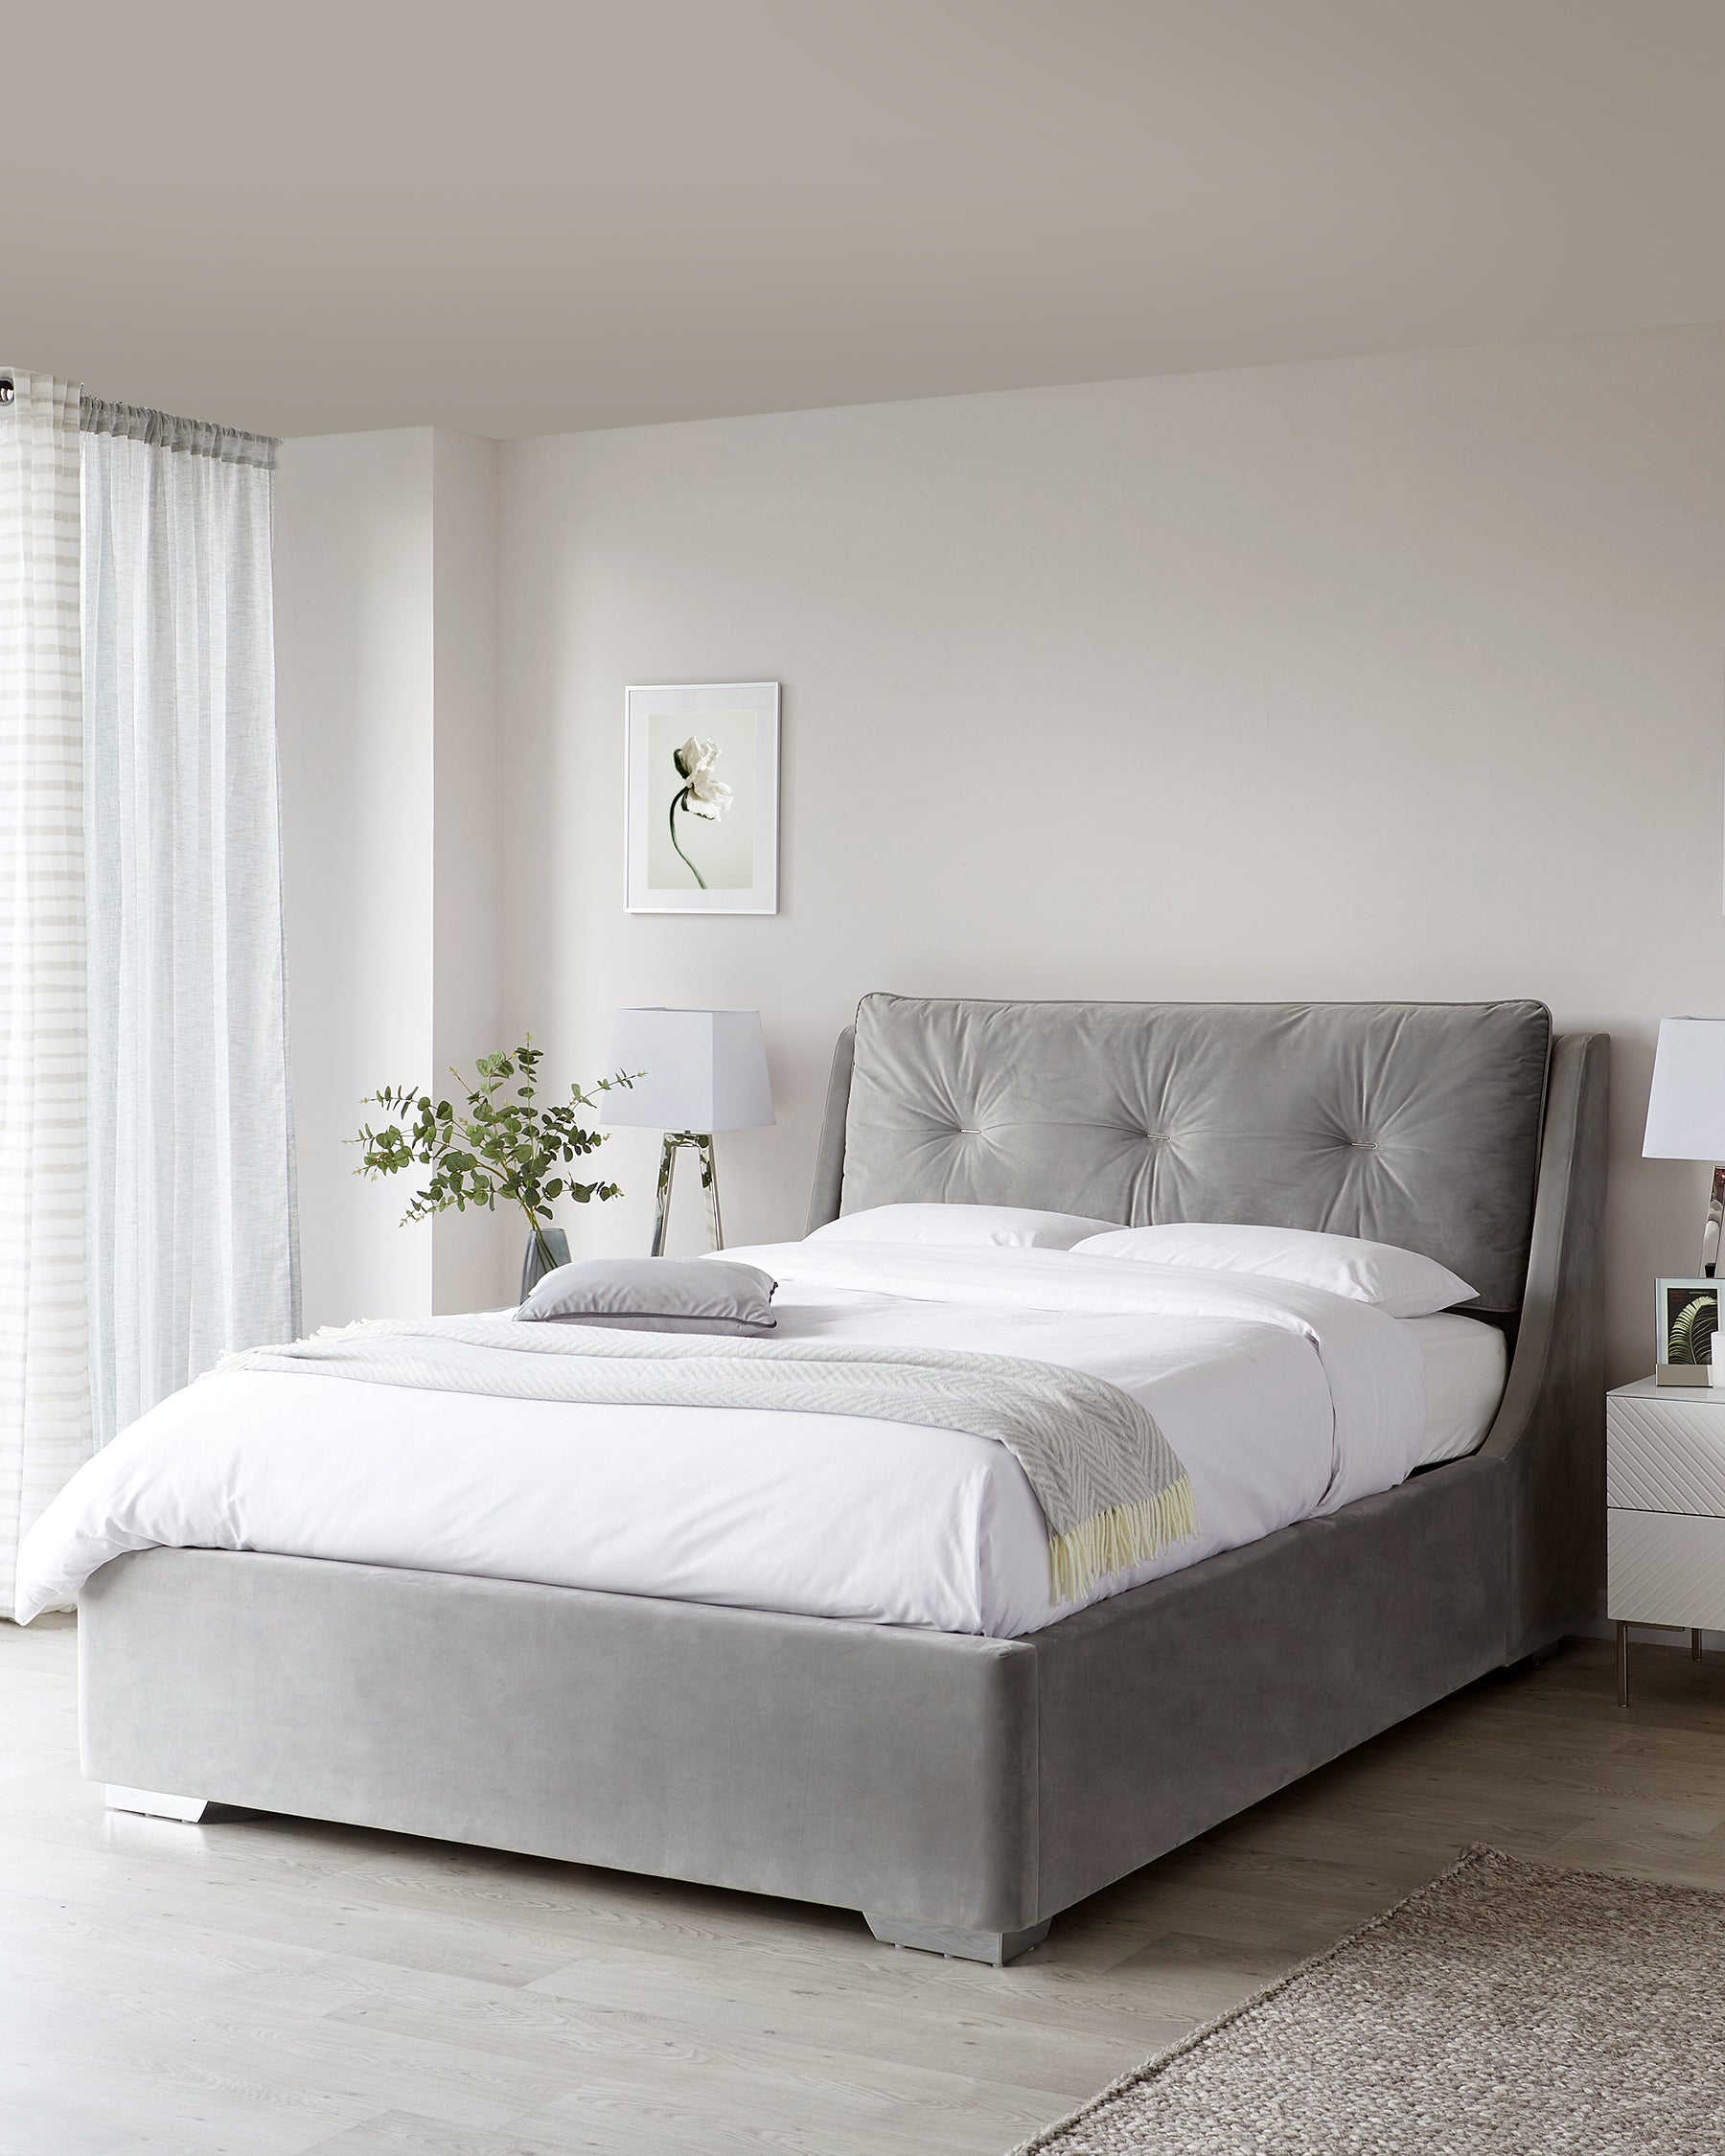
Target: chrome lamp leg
709, 1182
661, 1215
702, 1143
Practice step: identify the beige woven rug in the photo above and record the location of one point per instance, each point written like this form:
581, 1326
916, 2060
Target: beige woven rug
1507, 2009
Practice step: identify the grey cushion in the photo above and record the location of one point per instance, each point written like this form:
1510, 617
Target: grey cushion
656, 1295
1409, 1123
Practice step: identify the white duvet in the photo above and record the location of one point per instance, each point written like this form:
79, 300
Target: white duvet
1284, 1402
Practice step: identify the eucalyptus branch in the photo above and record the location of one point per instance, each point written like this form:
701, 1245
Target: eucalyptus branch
492, 1142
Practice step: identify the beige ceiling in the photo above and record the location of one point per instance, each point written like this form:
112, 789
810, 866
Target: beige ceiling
519, 218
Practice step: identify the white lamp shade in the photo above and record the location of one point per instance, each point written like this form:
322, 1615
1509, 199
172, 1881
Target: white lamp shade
1686, 1114
702, 1071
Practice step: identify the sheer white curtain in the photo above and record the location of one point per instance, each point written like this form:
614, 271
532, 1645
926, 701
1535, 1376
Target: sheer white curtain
192, 1213
44, 1381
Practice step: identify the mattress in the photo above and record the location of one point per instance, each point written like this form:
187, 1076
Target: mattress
1283, 1404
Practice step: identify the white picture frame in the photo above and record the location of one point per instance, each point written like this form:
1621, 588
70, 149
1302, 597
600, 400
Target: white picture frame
1686, 1321
701, 835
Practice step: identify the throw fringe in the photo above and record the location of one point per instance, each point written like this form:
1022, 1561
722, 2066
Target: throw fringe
1116, 1541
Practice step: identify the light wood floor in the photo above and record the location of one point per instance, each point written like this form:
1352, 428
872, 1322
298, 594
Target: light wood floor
260, 1987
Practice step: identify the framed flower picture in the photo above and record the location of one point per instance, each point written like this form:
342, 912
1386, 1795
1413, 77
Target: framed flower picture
703, 769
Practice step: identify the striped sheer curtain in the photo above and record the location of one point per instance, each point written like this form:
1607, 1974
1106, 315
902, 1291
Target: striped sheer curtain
192, 1212
44, 1370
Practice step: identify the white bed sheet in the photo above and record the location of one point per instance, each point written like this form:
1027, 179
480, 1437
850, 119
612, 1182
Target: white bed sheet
1466, 1363
1282, 1402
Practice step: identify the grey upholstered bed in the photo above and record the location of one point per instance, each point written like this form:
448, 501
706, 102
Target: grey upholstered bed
963, 1791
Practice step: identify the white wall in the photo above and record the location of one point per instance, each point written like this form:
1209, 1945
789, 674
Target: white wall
353, 676
471, 1252
386, 565
1391, 677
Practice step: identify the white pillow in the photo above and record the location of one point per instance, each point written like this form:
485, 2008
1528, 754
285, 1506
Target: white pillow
1005, 1227
1399, 1281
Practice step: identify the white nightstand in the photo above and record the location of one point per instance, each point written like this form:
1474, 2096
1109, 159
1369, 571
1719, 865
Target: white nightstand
1665, 1491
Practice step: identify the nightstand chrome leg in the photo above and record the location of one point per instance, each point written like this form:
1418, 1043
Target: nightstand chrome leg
1623, 1665
1694, 1643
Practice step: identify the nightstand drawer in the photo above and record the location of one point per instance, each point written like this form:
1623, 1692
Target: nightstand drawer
1665, 1568
1666, 1455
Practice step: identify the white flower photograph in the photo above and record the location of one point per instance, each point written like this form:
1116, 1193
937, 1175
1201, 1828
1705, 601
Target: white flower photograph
702, 766
708, 834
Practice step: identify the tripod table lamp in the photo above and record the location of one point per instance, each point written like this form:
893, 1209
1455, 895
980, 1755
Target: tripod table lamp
701, 1071
1686, 1114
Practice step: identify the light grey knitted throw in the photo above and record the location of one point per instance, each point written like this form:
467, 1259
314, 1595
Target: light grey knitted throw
1112, 1490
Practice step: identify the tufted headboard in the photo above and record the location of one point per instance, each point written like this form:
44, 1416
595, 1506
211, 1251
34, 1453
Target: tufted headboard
1410, 1123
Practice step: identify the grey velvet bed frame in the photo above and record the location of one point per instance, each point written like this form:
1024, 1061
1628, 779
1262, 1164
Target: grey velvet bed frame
963, 1791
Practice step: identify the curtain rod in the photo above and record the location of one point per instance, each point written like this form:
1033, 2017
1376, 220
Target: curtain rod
141, 423
168, 430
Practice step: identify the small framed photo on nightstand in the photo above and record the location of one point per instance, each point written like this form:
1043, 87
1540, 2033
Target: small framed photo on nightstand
1686, 1317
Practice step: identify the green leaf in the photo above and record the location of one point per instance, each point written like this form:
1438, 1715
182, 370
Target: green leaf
1692, 1331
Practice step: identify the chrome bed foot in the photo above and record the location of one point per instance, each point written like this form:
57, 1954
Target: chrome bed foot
156, 1805
954, 1941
